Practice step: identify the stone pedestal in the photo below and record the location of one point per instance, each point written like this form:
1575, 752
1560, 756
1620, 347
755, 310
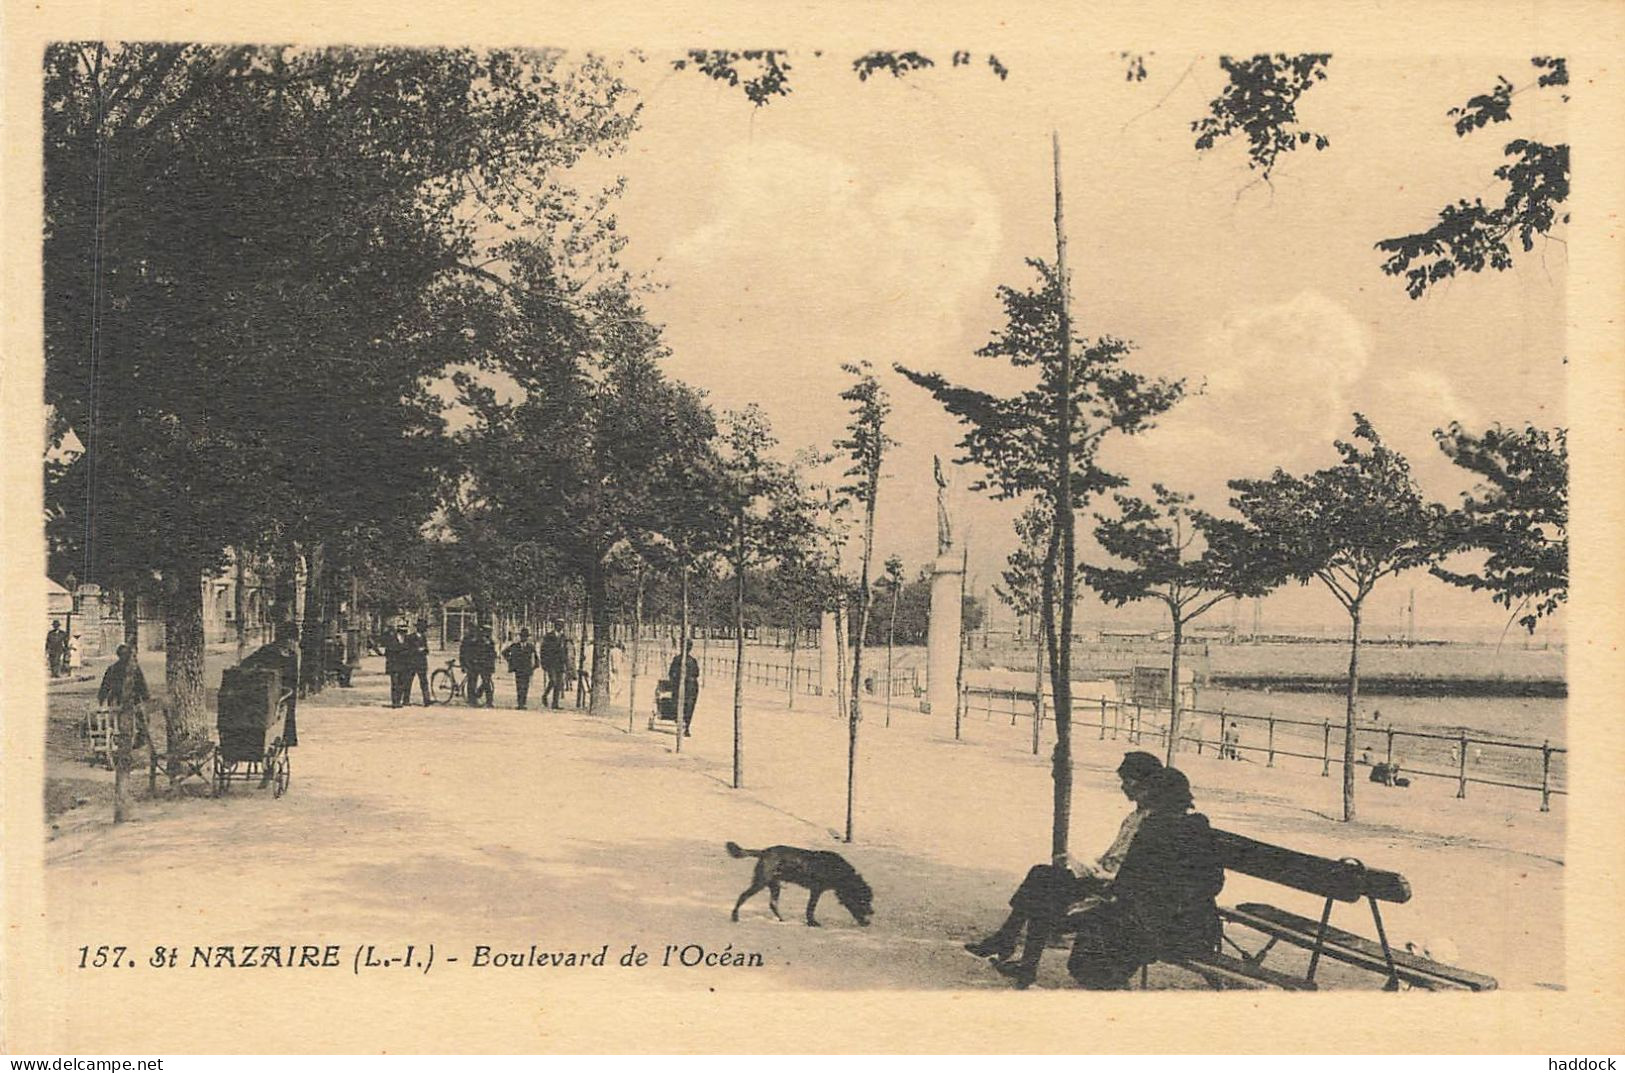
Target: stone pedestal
942, 640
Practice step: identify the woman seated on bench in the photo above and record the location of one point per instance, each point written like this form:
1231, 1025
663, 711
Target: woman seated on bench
1158, 906
1046, 892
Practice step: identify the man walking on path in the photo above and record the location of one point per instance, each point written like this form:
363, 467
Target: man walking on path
112, 690
396, 658
417, 647
522, 660
124, 689
56, 647
690, 684
479, 658
555, 661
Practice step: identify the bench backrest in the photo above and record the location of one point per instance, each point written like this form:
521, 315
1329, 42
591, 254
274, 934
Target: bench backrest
1346, 881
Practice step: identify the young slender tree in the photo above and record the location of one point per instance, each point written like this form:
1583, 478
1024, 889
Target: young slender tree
1177, 555
865, 447
765, 506
1022, 590
1025, 443
892, 580
687, 496
1347, 526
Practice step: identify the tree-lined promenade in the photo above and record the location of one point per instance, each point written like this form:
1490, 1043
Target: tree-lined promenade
357, 316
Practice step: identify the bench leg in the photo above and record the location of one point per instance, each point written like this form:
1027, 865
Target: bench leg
1387, 953
1320, 941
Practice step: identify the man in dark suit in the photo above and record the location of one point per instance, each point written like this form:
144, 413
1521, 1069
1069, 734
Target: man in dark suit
417, 647
555, 665
478, 656
396, 658
689, 687
56, 649
522, 659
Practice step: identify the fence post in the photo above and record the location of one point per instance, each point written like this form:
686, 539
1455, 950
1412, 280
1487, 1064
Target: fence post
1546, 776
1390, 745
1135, 733
1326, 750
987, 705
1102, 718
1272, 743
1224, 742
1461, 785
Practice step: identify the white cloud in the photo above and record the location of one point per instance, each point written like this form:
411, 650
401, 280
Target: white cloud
828, 262
1281, 381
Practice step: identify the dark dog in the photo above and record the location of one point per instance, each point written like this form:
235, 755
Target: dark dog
817, 870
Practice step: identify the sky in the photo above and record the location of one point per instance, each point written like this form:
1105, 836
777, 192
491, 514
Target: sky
875, 220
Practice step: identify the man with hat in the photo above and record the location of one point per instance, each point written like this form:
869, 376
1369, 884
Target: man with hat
56, 649
522, 659
1049, 890
396, 658
417, 646
478, 655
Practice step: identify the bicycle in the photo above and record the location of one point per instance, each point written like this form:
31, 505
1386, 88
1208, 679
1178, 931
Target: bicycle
444, 683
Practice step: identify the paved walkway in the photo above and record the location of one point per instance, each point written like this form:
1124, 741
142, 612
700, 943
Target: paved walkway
465, 828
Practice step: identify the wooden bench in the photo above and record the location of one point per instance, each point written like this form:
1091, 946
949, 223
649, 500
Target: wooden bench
1346, 880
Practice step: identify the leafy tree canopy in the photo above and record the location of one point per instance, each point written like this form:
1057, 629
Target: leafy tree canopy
1518, 514
1260, 104
1184, 557
1470, 235
1349, 525
1013, 438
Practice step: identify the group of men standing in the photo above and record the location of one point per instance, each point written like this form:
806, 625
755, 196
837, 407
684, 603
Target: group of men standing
553, 657
406, 659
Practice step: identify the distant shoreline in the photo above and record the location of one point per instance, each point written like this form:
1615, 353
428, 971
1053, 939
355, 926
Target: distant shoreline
1395, 685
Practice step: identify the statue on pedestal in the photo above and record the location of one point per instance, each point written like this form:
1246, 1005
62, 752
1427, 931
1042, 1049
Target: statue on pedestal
945, 535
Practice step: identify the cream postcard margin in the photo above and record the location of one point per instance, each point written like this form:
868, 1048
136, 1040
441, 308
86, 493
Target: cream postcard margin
182, 1016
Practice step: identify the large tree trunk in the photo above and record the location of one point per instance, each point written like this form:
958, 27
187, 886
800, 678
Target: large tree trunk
239, 599
598, 604
1038, 694
682, 684
285, 589
637, 651
313, 629
581, 648
130, 611
1173, 703
186, 721
1348, 720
